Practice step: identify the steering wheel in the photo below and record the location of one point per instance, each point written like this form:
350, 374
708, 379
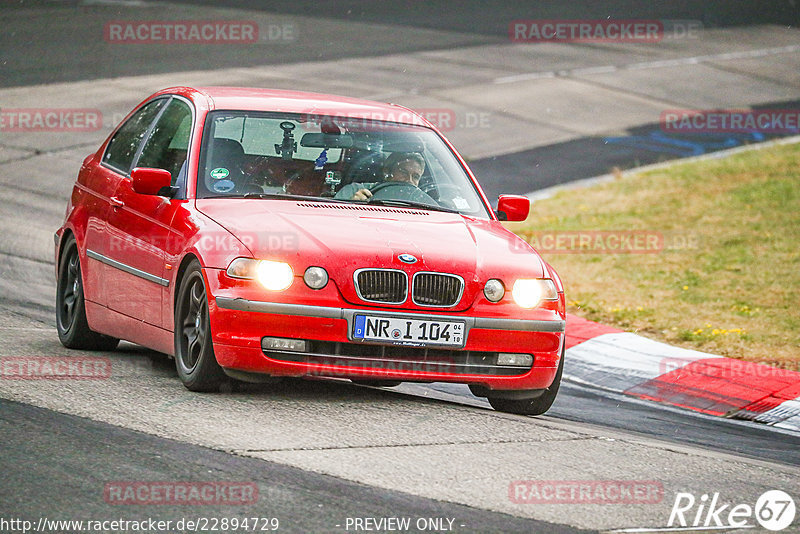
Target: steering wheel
400, 191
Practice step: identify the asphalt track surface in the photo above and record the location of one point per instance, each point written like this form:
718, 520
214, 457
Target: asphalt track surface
55, 464
76, 448
66, 55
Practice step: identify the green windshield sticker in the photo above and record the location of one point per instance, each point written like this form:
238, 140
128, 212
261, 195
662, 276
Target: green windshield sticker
219, 173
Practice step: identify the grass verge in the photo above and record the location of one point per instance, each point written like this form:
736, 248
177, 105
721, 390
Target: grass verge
711, 253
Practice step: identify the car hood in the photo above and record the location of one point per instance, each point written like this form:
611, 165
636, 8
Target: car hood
345, 237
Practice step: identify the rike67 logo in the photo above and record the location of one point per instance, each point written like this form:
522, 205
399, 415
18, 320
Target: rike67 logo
774, 510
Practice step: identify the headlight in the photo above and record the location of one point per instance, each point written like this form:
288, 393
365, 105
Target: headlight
242, 268
273, 275
529, 293
494, 290
316, 277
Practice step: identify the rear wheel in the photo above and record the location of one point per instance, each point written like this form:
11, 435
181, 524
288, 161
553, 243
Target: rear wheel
194, 353
530, 406
71, 323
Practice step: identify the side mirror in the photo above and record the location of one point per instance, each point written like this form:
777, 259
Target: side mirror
147, 181
513, 208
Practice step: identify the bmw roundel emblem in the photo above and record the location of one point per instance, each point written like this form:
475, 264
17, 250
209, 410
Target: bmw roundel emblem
407, 258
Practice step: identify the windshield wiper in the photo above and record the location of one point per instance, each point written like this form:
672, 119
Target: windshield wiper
288, 196
411, 204
378, 202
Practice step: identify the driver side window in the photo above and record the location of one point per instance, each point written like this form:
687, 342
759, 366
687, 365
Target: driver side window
123, 146
168, 144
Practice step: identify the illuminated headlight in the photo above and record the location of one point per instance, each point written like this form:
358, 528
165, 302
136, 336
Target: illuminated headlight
494, 290
316, 277
273, 275
529, 293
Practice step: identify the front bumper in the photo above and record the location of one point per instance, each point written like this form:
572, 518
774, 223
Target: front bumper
238, 325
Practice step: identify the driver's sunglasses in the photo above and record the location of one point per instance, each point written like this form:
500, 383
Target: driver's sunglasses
415, 176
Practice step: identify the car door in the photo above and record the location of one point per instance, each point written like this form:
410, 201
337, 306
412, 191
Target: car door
139, 225
102, 179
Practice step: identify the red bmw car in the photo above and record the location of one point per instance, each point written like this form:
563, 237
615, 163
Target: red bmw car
254, 233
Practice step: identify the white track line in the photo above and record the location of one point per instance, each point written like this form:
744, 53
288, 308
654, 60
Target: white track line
694, 60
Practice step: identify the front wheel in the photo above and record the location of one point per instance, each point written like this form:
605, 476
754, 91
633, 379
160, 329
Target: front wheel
194, 353
531, 406
71, 322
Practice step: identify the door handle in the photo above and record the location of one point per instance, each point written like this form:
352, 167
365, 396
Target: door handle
116, 202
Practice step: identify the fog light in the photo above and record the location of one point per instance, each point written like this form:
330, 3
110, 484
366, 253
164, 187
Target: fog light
494, 290
515, 360
316, 277
282, 343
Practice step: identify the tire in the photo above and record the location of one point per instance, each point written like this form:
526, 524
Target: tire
71, 323
194, 352
376, 383
532, 406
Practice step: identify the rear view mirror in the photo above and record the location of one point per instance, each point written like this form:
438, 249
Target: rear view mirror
513, 208
325, 140
147, 181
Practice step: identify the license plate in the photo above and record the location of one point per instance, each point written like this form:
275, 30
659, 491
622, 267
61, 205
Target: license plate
406, 331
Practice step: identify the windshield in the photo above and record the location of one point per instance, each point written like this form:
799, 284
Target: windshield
333, 159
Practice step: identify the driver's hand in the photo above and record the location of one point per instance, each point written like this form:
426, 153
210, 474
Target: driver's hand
362, 194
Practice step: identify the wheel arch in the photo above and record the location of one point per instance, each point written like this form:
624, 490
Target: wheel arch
187, 259
65, 235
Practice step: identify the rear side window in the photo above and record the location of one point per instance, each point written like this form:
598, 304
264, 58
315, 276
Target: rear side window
123, 146
168, 143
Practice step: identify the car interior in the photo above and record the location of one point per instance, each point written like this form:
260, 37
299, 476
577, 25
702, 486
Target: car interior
254, 173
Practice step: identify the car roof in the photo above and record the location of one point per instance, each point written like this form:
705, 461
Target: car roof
259, 99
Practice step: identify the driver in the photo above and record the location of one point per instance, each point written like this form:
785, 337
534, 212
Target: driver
399, 167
